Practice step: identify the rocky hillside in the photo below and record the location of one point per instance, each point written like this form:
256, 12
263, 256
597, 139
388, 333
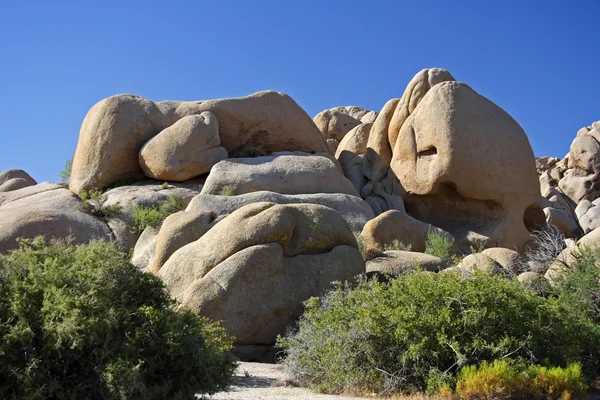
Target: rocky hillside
246, 207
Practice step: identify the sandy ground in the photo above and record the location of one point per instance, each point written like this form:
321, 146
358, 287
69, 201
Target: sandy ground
255, 381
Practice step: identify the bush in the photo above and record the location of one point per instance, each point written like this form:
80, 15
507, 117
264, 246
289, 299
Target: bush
440, 246
144, 217
422, 328
94, 202
545, 248
396, 245
504, 380
65, 174
580, 287
79, 322
228, 190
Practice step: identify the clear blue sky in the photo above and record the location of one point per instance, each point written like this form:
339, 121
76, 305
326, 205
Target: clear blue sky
539, 60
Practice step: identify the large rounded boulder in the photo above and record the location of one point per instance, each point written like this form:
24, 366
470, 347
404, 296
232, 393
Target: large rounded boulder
253, 269
468, 168
115, 129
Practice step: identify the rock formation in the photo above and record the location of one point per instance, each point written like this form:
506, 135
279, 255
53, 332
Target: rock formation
275, 205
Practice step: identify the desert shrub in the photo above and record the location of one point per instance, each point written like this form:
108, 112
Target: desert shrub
396, 245
440, 246
94, 202
497, 380
580, 287
65, 174
228, 190
79, 322
144, 217
420, 329
545, 247
504, 380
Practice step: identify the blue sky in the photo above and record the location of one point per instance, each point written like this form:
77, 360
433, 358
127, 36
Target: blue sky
539, 60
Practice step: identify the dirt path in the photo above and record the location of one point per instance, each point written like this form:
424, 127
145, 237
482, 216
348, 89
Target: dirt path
255, 381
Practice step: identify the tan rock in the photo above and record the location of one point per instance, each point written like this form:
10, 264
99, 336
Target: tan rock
15, 184
481, 262
350, 154
508, 259
353, 209
398, 262
285, 174
11, 174
591, 239
335, 124
393, 226
564, 220
590, 221
534, 281
116, 128
467, 166
258, 292
185, 150
13, 195
54, 214
543, 164
579, 185
582, 208
143, 252
584, 153
178, 230
298, 228
146, 194
253, 269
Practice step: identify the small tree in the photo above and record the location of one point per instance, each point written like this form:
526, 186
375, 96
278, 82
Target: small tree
65, 174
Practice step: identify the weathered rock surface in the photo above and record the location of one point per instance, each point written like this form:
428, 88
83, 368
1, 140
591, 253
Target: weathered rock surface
480, 262
143, 194
16, 174
285, 174
143, 252
185, 150
468, 168
116, 128
253, 269
53, 213
178, 230
508, 259
393, 226
353, 209
335, 124
397, 262
584, 153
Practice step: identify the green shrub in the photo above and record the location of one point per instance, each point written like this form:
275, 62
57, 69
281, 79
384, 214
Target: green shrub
396, 245
496, 380
228, 190
421, 328
440, 246
65, 174
503, 380
154, 216
79, 322
580, 287
94, 202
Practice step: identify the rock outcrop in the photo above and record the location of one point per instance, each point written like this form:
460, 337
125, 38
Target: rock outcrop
285, 173
116, 128
185, 150
253, 269
46, 210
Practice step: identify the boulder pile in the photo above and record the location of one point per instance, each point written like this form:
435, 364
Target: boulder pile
273, 206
